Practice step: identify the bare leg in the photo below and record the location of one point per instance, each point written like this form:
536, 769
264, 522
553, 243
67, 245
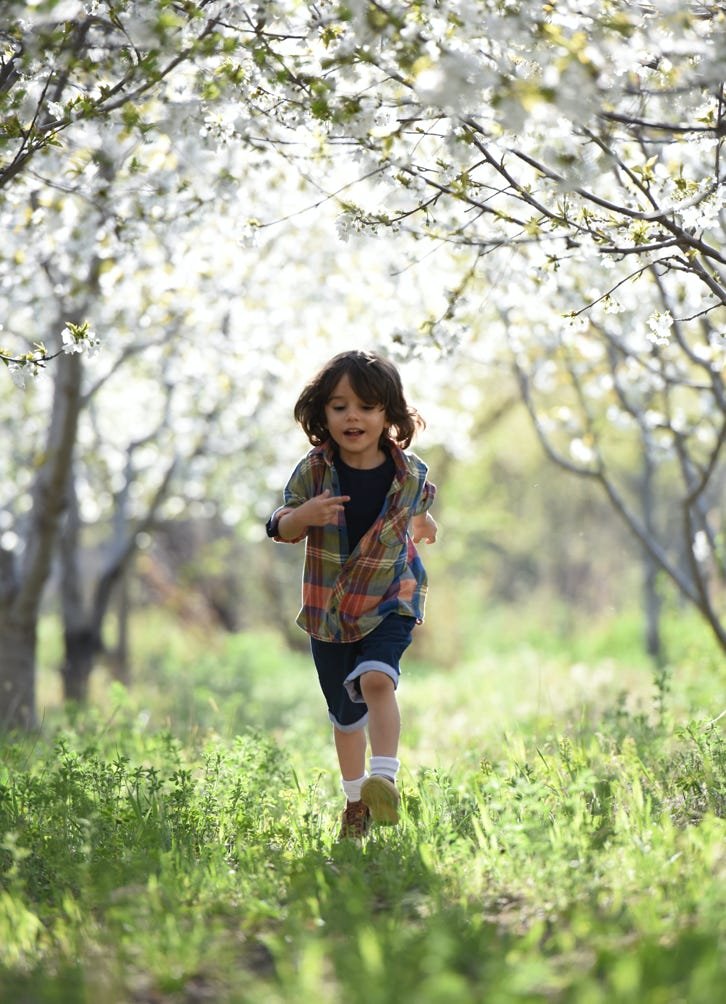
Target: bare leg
351, 750
384, 719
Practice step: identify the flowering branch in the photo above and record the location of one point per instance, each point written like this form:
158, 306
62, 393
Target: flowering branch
75, 338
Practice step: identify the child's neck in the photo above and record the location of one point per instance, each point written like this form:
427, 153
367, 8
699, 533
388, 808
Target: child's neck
366, 461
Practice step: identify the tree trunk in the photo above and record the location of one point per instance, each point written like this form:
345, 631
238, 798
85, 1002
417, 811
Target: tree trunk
21, 593
80, 638
17, 673
651, 599
119, 655
84, 617
81, 648
652, 605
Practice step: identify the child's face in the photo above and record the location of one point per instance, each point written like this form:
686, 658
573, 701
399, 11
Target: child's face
355, 426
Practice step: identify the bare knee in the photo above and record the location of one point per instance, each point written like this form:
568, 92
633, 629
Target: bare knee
375, 684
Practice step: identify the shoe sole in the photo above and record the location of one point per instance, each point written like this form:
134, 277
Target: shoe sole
382, 799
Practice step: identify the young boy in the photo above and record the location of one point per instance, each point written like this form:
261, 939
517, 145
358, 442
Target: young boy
362, 504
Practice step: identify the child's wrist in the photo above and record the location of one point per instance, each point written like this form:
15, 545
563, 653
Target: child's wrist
290, 525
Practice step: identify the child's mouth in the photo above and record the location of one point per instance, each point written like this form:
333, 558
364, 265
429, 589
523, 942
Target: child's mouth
353, 432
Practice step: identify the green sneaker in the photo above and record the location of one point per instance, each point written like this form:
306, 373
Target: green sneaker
382, 798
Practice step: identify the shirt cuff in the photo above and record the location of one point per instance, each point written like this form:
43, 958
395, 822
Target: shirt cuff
272, 525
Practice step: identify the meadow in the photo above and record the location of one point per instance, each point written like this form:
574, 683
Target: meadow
562, 837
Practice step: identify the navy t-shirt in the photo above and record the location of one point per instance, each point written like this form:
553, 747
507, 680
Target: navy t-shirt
367, 490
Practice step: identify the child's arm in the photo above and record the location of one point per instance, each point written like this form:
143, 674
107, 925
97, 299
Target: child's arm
423, 527
317, 511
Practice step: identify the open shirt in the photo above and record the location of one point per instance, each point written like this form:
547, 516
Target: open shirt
347, 595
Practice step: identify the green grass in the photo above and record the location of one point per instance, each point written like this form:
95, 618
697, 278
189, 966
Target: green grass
562, 836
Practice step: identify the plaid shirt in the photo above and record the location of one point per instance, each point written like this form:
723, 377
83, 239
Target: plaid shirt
346, 596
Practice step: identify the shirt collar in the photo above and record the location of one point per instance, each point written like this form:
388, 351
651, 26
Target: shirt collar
327, 452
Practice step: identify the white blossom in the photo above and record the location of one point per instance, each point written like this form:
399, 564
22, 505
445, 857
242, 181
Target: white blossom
71, 344
17, 374
453, 82
9, 541
700, 546
581, 452
660, 325
611, 305
77, 340
654, 419
348, 223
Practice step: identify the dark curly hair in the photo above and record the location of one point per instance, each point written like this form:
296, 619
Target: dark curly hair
375, 380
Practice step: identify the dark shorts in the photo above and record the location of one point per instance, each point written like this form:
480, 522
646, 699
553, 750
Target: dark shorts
340, 666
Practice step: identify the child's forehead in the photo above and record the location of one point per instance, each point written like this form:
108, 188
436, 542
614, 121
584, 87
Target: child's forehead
344, 389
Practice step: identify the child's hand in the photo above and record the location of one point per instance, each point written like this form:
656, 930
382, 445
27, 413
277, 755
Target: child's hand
322, 509
423, 528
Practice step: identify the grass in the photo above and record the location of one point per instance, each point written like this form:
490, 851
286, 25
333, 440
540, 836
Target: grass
562, 836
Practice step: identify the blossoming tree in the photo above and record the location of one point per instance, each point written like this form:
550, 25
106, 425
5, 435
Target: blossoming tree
573, 150
90, 96
569, 152
135, 175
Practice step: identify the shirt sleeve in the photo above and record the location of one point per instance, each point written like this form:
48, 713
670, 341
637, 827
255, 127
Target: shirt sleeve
425, 499
299, 488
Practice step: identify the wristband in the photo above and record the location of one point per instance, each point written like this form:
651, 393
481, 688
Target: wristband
272, 525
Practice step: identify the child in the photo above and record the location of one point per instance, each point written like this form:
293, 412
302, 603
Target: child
362, 504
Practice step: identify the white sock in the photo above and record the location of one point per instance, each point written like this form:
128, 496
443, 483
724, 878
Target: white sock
386, 765
352, 788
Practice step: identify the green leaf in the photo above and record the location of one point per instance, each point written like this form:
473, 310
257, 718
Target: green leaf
130, 115
320, 109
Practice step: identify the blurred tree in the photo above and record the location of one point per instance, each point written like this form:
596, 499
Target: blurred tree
570, 153
575, 150
83, 615
136, 223
90, 96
